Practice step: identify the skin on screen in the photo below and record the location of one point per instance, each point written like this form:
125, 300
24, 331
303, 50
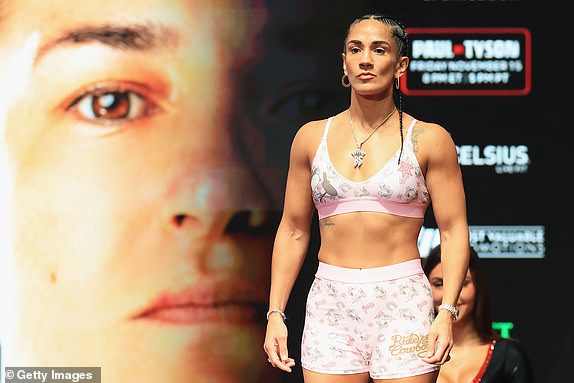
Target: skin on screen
136, 218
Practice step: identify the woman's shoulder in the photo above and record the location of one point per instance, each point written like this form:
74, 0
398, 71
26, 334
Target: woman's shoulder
512, 353
313, 127
511, 347
509, 363
430, 129
429, 137
307, 139
311, 132
318, 126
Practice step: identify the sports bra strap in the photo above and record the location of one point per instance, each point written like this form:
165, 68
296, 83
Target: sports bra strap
410, 129
326, 130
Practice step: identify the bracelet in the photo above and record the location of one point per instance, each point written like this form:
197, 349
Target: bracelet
451, 309
280, 312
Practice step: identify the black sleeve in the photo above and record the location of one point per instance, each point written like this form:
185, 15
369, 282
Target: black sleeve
518, 364
509, 364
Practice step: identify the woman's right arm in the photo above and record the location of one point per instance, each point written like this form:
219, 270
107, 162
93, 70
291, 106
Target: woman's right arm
290, 247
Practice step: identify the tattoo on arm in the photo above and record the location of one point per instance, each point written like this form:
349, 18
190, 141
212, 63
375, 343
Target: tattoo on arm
415, 138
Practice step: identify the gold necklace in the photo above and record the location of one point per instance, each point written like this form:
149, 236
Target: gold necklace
359, 153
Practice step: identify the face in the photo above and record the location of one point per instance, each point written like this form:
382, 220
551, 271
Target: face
137, 236
466, 300
371, 59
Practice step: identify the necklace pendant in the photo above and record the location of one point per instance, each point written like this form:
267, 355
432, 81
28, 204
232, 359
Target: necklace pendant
358, 156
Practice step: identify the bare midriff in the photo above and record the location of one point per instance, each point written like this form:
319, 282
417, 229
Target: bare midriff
368, 239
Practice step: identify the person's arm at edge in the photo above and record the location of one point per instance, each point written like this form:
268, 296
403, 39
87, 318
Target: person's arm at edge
520, 365
290, 247
444, 182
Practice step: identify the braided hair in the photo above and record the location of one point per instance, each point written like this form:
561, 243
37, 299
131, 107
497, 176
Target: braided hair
399, 33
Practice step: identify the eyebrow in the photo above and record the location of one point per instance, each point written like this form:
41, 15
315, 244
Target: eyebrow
135, 37
378, 42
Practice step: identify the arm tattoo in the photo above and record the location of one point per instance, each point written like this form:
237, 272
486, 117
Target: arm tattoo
415, 138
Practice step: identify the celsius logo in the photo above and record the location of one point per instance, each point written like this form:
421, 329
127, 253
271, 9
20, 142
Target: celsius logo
505, 159
470, 49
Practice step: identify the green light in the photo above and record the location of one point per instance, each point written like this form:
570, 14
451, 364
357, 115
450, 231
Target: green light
503, 327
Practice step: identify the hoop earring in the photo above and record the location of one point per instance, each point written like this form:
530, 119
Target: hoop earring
347, 83
397, 82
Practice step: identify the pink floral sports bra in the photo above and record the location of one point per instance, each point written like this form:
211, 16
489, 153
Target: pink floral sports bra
398, 189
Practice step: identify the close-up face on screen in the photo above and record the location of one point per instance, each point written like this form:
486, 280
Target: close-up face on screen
135, 213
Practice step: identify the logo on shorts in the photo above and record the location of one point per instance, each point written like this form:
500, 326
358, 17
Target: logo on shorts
408, 344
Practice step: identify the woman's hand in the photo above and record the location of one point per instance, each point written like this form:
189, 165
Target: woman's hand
276, 344
440, 339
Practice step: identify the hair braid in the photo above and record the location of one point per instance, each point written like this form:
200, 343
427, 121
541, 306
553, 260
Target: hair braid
400, 123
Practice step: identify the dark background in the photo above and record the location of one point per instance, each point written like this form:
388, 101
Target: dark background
301, 70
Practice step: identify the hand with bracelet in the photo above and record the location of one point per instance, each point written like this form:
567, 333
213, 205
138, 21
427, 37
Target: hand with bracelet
276, 346
440, 338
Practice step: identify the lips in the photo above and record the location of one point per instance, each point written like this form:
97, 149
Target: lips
366, 75
201, 304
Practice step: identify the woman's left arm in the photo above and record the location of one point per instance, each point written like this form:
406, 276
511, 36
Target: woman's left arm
444, 183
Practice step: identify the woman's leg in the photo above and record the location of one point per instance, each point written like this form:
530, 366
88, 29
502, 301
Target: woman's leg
424, 378
316, 377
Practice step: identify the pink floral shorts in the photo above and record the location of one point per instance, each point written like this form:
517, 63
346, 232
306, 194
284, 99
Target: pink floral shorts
368, 320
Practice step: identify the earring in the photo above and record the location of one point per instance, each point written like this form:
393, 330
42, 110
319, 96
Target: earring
397, 82
345, 81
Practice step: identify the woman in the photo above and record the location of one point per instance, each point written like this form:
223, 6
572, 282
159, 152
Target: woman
478, 354
373, 170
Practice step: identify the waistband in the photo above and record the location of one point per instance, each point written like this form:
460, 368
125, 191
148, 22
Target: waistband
370, 275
